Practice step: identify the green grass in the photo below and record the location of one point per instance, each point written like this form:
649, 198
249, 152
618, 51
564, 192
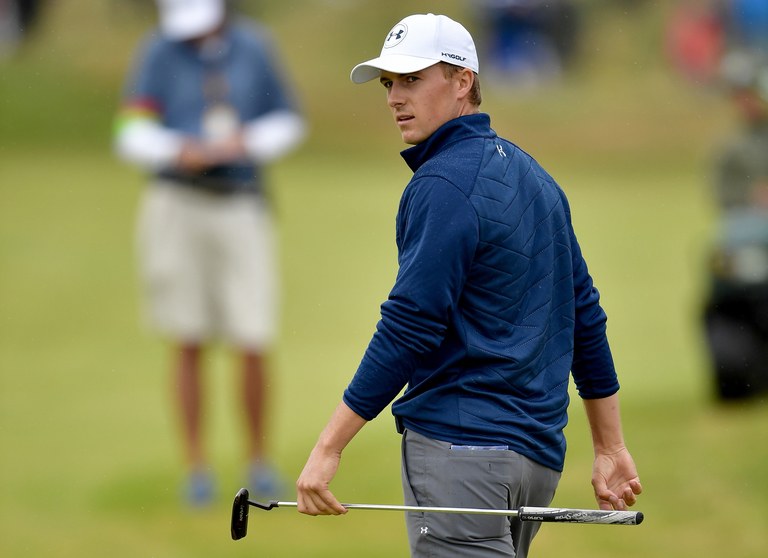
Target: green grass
89, 456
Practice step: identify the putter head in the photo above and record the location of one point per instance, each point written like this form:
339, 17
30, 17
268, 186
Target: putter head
240, 514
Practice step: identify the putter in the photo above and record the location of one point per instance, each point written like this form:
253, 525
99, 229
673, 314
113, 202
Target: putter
525, 513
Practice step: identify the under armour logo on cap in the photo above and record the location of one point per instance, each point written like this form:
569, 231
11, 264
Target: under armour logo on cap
417, 42
396, 35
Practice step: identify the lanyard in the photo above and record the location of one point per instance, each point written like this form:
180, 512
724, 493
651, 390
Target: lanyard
220, 120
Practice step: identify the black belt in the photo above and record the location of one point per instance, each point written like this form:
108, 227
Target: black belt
212, 184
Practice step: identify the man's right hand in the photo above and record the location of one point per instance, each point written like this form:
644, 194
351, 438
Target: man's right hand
313, 494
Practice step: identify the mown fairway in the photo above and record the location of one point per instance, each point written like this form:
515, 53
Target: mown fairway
89, 459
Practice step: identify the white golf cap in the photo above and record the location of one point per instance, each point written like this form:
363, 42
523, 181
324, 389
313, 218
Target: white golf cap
417, 42
187, 19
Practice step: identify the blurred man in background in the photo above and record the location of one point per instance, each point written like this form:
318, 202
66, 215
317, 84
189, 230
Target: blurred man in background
695, 41
742, 165
206, 107
17, 19
528, 43
492, 310
747, 25
736, 312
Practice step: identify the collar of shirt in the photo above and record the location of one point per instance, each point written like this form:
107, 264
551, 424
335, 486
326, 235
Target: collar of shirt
471, 125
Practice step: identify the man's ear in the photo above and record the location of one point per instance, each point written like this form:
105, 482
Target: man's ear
465, 79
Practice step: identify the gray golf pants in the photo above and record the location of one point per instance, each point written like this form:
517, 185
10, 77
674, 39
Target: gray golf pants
437, 473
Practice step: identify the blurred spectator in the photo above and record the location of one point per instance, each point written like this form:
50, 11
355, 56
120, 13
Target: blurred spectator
695, 40
17, 17
747, 25
736, 312
206, 107
528, 42
742, 167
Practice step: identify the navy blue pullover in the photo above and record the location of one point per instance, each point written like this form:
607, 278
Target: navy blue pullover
493, 307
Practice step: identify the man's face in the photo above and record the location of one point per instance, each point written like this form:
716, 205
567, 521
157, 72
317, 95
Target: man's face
423, 101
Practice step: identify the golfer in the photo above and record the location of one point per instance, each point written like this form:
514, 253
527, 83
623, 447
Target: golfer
491, 312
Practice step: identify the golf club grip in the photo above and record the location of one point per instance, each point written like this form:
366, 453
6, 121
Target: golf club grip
569, 515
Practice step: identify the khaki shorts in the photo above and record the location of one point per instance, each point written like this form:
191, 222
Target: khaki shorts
208, 266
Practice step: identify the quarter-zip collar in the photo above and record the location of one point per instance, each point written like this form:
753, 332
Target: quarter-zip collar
463, 127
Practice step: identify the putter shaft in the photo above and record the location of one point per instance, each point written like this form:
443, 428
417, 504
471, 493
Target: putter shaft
525, 513
424, 509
